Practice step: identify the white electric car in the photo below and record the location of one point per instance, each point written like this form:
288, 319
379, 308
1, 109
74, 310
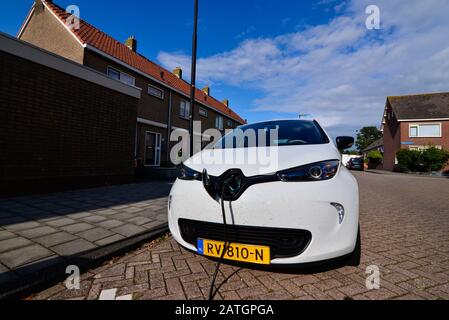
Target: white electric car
303, 209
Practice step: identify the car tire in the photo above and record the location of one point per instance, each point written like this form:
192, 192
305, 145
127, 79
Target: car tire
354, 258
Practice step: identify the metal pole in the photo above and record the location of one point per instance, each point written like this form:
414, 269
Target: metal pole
193, 74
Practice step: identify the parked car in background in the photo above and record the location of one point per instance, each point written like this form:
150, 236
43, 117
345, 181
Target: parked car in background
356, 164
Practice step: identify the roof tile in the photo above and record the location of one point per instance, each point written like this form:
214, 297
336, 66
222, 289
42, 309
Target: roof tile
92, 36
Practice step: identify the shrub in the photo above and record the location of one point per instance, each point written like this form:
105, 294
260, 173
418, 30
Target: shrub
375, 157
434, 159
408, 160
431, 159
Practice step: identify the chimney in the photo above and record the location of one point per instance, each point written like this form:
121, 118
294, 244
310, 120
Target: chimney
178, 72
131, 43
206, 90
226, 102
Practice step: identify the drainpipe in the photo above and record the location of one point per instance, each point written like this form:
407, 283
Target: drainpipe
169, 126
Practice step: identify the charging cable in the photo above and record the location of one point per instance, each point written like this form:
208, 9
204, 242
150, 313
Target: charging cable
213, 291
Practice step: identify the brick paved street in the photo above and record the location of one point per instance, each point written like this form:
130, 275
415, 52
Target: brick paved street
404, 221
38, 230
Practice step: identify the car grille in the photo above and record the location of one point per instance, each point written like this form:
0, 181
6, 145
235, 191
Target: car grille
284, 243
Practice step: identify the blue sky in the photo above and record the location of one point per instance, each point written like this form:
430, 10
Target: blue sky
275, 59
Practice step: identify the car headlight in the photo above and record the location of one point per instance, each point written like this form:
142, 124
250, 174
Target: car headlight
319, 171
185, 173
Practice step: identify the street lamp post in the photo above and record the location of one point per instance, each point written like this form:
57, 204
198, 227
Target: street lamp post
193, 73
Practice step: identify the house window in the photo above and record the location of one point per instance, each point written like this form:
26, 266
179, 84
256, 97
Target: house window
427, 130
203, 112
219, 122
156, 92
184, 109
121, 76
230, 123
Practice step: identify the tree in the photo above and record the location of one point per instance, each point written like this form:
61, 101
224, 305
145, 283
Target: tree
367, 136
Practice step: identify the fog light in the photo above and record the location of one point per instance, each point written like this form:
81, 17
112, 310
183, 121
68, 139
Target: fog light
340, 211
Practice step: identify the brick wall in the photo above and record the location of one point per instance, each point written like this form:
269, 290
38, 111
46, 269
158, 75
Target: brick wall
392, 140
60, 132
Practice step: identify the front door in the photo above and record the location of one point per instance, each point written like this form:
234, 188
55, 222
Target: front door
152, 149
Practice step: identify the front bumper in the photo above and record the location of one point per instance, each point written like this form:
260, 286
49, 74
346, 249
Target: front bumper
296, 205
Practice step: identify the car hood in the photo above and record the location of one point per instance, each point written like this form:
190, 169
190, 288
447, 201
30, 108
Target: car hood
261, 160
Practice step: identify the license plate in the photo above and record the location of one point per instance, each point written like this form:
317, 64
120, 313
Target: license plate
235, 251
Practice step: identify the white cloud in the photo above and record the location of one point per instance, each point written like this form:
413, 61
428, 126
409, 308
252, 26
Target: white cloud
340, 72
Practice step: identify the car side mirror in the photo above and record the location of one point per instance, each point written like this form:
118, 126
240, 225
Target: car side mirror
344, 143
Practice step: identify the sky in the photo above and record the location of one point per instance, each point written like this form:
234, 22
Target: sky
278, 59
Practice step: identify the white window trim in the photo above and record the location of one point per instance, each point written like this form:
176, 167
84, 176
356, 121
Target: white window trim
156, 148
417, 124
120, 75
157, 88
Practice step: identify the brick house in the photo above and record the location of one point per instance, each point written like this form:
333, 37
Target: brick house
62, 125
415, 122
165, 101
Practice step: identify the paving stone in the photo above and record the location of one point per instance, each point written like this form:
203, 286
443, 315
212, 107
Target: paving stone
78, 227
95, 234
3, 268
153, 225
21, 256
109, 294
94, 219
61, 222
109, 224
107, 212
122, 216
73, 247
55, 239
23, 226
128, 230
79, 215
6, 235
109, 240
139, 220
37, 232
13, 243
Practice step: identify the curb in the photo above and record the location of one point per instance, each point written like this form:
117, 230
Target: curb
53, 272
401, 174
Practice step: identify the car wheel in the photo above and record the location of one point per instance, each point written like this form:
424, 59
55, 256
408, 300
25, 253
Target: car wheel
354, 257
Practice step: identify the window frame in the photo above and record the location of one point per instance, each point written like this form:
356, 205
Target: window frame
119, 72
183, 115
205, 113
162, 97
413, 126
219, 122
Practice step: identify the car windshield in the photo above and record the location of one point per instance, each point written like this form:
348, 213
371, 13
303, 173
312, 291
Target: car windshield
274, 133
357, 161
